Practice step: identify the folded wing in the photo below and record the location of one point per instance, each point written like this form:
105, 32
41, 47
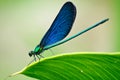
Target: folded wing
61, 26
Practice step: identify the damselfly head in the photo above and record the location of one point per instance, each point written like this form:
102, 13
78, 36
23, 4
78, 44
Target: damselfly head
31, 53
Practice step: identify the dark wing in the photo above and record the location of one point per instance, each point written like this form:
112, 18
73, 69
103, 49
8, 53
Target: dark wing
61, 25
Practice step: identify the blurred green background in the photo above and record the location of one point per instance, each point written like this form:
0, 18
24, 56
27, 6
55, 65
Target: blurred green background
23, 23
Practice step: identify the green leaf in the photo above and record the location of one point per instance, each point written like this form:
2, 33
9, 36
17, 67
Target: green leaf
76, 66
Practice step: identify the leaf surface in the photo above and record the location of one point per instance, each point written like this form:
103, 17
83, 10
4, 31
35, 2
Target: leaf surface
76, 66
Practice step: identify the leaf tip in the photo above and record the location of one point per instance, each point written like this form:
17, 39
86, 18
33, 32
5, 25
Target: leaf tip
14, 74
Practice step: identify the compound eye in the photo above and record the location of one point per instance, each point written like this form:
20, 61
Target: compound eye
31, 53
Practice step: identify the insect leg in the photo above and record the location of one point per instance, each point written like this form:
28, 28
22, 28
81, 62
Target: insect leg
38, 57
41, 56
31, 62
34, 57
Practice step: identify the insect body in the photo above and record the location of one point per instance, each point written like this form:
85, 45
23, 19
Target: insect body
59, 29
